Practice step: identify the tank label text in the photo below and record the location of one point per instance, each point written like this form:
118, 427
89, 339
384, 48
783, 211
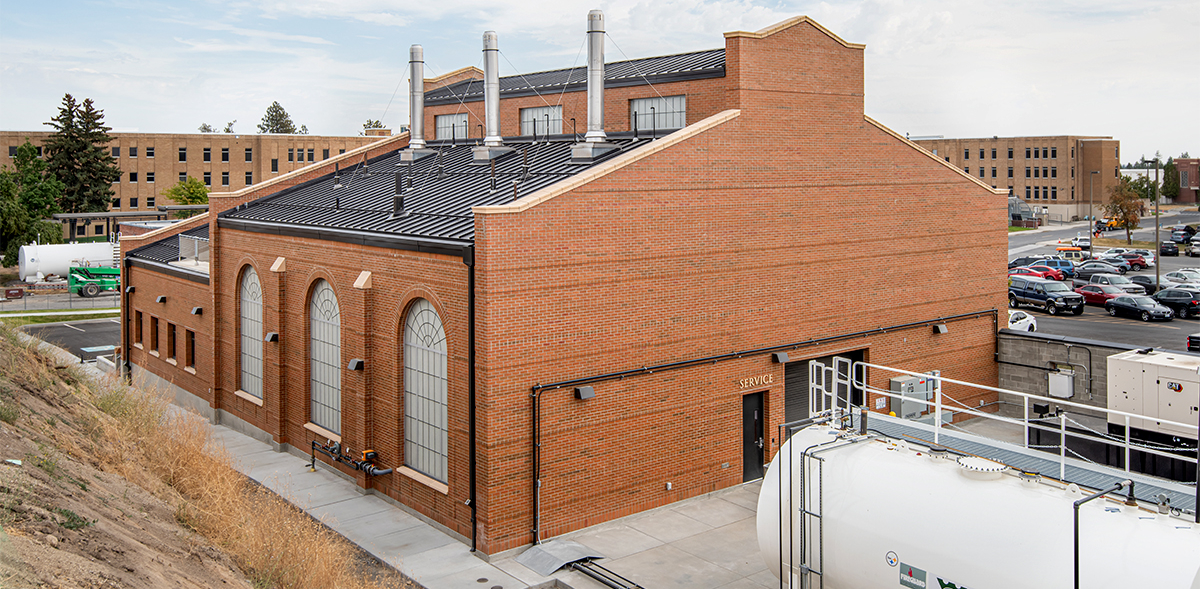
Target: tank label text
911, 577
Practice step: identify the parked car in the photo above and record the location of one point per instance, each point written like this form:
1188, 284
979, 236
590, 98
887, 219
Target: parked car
1119, 262
1141, 307
1193, 342
1148, 255
1116, 280
1136, 262
1150, 284
1181, 237
1185, 303
1189, 229
1074, 254
1021, 321
1081, 241
1168, 248
1098, 294
1023, 261
1086, 270
1067, 267
1182, 277
1050, 295
1047, 271
1193, 250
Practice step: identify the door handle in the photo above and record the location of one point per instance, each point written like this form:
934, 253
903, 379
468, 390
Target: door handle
759, 443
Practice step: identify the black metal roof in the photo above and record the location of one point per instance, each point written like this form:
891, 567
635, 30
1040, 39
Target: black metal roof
166, 250
634, 72
437, 208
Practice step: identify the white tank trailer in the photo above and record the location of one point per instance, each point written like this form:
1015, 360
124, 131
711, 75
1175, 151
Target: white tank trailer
38, 261
895, 515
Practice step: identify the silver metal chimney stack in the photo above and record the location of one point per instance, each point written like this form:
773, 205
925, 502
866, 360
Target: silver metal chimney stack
416, 107
493, 144
594, 142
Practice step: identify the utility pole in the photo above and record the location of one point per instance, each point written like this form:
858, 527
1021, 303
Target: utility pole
1091, 204
1157, 243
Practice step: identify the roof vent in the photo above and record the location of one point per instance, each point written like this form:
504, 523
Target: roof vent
493, 145
398, 197
416, 107
594, 144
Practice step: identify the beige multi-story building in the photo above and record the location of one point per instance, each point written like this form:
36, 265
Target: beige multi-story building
1065, 177
153, 162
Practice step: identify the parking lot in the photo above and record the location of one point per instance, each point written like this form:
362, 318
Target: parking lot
86, 339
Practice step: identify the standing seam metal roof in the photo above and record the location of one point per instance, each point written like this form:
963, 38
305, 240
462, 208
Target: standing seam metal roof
166, 250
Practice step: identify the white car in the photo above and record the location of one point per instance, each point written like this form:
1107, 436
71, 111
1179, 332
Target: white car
1194, 249
1021, 321
1081, 241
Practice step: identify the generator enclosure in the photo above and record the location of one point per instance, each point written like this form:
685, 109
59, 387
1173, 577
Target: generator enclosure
1159, 385
912, 388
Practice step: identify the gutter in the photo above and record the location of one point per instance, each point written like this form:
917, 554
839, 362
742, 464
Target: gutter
126, 366
468, 256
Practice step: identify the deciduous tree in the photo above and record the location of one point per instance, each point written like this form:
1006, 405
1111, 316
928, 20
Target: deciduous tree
371, 124
1123, 206
28, 197
188, 192
207, 128
229, 126
78, 157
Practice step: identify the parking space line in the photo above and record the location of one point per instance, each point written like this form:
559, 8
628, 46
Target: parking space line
73, 327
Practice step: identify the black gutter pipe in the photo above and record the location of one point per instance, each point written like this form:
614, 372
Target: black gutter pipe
468, 256
127, 368
1114, 487
536, 397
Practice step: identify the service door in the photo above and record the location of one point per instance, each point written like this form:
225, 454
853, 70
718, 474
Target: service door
752, 437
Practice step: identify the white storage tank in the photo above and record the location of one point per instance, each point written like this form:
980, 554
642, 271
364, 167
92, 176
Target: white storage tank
897, 516
43, 260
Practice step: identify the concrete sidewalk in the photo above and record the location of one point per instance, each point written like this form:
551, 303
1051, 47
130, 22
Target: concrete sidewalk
708, 542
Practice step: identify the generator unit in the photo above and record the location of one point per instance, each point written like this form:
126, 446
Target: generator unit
914, 388
1159, 385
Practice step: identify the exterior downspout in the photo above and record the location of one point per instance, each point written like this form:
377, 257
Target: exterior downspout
126, 367
469, 260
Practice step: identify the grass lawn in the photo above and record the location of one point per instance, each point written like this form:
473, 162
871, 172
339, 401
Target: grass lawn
15, 322
1011, 229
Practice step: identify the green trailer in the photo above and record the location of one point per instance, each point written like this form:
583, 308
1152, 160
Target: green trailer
91, 281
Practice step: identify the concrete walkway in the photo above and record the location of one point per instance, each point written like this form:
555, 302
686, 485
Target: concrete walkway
708, 542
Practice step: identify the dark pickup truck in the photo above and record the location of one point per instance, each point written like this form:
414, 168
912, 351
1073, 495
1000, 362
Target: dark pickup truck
1051, 295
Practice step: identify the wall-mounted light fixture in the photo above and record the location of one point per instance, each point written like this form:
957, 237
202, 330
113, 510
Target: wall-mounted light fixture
355, 364
940, 328
161, 299
584, 393
197, 311
129, 290
272, 337
780, 357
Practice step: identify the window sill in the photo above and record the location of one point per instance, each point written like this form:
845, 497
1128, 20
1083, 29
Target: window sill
320, 431
153, 353
426, 480
248, 397
189, 369
172, 362
138, 346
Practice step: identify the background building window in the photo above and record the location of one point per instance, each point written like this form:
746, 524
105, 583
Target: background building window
450, 126
1053, 172
275, 165
116, 203
137, 327
249, 178
291, 154
325, 354
133, 177
250, 333
1053, 153
981, 171
183, 176
325, 153
966, 154
150, 177
133, 152
1053, 193
1027, 192
425, 391
1010, 153
149, 152
980, 153
208, 178
310, 156
224, 154
170, 341
12, 151
993, 153
541, 120
99, 230
183, 154
150, 202
116, 152
207, 154
1027, 172
154, 334
249, 154
993, 172
224, 178
658, 113
1026, 153
1010, 172
133, 203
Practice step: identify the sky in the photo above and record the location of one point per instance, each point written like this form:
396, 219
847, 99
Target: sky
955, 69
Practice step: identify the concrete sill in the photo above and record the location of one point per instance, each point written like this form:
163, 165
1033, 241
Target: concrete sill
320, 431
172, 362
138, 346
248, 397
426, 480
154, 353
189, 369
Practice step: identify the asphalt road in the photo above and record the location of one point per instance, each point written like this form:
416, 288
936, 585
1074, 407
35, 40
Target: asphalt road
86, 339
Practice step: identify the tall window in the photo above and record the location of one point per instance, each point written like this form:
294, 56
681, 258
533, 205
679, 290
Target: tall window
189, 349
249, 154
541, 120
137, 327
170, 341
425, 439
183, 154
325, 353
251, 335
447, 127
658, 113
224, 154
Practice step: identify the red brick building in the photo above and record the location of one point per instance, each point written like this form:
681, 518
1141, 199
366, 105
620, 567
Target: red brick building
1189, 179
536, 341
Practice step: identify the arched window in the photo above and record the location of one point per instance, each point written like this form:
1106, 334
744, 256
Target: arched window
251, 333
325, 353
425, 391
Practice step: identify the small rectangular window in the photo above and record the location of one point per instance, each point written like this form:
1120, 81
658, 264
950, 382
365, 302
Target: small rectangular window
981, 171
1117, 152
1010, 153
183, 154
116, 152
150, 202
1027, 192
966, 169
1010, 172
311, 152
1045, 172
1037, 172
249, 154
189, 348
154, 333
224, 154
1072, 153
1027, 153
99, 229
208, 178
133, 152
81, 231
291, 154
947, 158
224, 178
170, 341
1117, 172
1053, 153
449, 126
137, 327
1028, 172
993, 153
341, 151
966, 154
993, 172
249, 178
541, 120
208, 154
980, 153
133, 177
150, 177
1053, 193
1054, 172
1037, 193
149, 152
275, 165
183, 176
116, 203
133, 203
12, 151
325, 153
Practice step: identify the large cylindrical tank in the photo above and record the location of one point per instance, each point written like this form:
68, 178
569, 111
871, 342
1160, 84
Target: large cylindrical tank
58, 258
895, 516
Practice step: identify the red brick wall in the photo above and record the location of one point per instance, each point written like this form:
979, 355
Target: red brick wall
182, 295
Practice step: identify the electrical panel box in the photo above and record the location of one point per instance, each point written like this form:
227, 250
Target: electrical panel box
913, 388
1061, 384
1158, 385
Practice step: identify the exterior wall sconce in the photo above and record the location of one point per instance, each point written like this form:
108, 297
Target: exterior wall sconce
129, 290
356, 364
197, 311
272, 337
161, 299
584, 393
940, 328
780, 357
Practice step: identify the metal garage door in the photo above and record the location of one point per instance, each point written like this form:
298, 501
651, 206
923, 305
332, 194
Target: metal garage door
796, 402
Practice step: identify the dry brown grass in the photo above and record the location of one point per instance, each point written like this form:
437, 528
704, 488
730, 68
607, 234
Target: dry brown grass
136, 433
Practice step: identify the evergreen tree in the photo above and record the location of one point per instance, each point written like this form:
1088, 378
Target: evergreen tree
277, 120
28, 197
1170, 181
78, 157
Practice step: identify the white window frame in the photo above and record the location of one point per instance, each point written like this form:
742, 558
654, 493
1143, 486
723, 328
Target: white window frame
445, 124
251, 333
670, 112
325, 358
426, 387
533, 120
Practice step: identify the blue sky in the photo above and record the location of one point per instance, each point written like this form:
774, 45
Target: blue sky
961, 69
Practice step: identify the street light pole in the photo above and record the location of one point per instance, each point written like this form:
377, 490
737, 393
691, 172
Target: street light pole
1091, 204
1157, 243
